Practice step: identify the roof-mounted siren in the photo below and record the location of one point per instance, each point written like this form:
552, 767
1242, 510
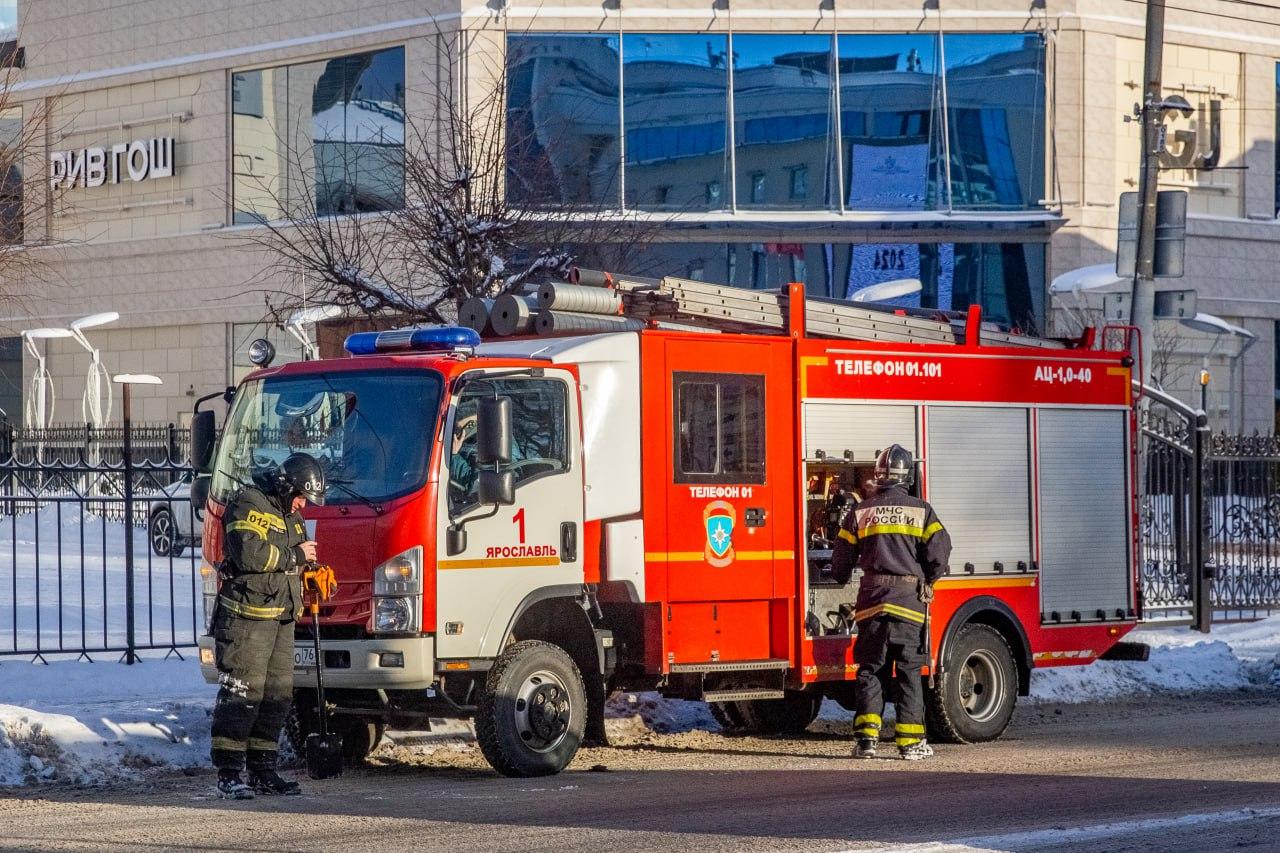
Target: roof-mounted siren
430, 339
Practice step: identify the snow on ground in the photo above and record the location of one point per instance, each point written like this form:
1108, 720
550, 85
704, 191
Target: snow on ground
87, 723
1231, 657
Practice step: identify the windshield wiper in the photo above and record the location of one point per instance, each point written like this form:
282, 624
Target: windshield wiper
341, 484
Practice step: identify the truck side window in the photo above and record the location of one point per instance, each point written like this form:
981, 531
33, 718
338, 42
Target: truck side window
539, 434
719, 428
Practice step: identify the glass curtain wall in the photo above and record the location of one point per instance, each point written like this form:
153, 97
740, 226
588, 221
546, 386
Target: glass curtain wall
863, 122
1006, 279
319, 137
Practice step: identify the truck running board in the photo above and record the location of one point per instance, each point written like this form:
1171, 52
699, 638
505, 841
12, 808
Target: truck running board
741, 695
732, 665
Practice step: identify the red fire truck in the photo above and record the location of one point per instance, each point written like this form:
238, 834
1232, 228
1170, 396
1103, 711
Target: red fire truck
645, 501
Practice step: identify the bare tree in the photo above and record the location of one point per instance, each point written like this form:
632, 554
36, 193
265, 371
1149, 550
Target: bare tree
456, 229
25, 196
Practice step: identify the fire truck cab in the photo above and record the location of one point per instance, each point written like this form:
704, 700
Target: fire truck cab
521, 527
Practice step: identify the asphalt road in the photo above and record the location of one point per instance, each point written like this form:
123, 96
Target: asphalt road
1176, 773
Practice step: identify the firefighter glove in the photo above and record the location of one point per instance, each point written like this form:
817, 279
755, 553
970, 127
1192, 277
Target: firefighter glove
926, 592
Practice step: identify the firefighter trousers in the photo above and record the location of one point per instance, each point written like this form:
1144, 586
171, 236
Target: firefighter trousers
884, 643
255, 665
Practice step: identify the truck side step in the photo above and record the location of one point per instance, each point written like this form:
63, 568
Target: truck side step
741, 695
732, 665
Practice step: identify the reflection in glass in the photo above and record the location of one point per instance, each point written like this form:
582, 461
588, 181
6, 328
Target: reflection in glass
1006, 279
324, 137
784, 121
675, 105
891, 122
995, 95
562, 120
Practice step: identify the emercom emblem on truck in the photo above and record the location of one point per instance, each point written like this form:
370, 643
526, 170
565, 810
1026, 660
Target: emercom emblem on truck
719, 518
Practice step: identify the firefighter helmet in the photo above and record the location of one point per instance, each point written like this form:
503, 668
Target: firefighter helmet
895, 465
301, 475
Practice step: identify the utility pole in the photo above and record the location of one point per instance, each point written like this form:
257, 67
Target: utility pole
1142, 306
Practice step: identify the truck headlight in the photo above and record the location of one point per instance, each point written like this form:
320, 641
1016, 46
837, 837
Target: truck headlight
397, 593
393, 615
209, 593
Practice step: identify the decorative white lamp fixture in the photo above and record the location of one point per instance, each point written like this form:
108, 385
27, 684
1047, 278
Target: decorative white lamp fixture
304, 317
38, 413
91, 405
886, 290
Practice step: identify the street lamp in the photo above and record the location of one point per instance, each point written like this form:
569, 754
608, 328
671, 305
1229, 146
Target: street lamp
41, 397
91, 404
303, 317
1212, 324
1099, 278
886, 290
128, 380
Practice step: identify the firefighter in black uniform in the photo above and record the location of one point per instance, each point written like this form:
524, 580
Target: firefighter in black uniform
902, 549
265, 548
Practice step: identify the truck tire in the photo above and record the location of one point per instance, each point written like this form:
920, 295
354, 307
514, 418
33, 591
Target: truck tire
973, 698
532, 712
360, 737
789, 715
728, 715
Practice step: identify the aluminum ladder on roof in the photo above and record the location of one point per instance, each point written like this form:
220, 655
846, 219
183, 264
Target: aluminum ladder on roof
727, 308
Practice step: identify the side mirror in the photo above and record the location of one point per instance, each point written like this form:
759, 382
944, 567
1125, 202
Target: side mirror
200, 495
204, 431
493, 432
455, 541
497, 488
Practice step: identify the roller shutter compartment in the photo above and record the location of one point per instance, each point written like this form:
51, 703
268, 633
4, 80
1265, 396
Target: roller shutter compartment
1084, 514
834, 428
979, 478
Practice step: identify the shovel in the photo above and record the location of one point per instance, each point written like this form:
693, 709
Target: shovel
324, 748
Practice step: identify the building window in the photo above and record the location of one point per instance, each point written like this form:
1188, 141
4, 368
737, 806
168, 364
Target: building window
319, 138
756, 183
11, 208
713, 195
799, 183
661, 196
562, 138
11, 379
8, 20
782, 108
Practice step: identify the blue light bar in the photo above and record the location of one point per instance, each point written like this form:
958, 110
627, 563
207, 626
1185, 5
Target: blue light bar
432, 339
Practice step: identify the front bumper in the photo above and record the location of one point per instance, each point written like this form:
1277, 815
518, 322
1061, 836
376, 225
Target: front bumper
358, 663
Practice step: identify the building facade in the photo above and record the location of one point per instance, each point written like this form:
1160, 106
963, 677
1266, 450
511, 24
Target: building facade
979, 147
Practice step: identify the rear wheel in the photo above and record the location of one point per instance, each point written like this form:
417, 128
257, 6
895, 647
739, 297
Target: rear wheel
532, 713
728, 715
976, 690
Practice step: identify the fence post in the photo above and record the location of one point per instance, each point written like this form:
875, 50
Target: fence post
1201, 572
130, 655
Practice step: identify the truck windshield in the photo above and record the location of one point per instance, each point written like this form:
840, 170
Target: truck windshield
371, 431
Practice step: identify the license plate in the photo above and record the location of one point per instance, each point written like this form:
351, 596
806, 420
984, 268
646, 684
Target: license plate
304, 657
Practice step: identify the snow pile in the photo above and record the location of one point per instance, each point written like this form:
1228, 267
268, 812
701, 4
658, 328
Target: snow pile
633, 713
88, 723
1182, 661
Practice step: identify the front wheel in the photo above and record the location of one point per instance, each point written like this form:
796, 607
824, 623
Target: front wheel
531, 715
976, 690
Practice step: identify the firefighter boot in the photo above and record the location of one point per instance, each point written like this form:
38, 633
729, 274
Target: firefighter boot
231, 787
866, 748
268, 781
916, 751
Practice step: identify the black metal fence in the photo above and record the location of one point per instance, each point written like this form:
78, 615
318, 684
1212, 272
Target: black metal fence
1210, 518
69, 443
99, 552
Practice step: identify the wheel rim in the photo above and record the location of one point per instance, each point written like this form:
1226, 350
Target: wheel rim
162, 533
981, 686
542, 711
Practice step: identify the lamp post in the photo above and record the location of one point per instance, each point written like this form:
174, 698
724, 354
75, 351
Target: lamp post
128, 380
302, 318
1220, 328
40, 404
91, 404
